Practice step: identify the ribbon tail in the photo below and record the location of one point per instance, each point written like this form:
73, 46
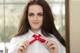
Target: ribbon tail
32, 41
42, 40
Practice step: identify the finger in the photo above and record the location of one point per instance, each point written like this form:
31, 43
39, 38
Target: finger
49, 43
20, 49
53, 42
27, 43
52, 47
23, 46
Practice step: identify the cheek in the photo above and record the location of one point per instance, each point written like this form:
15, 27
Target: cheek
29, 19
41, 20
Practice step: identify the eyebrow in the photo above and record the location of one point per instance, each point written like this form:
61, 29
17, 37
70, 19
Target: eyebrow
33, 12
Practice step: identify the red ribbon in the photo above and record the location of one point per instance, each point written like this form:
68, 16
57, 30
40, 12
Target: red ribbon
38, 37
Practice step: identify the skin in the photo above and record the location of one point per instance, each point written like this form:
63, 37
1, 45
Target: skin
35, 17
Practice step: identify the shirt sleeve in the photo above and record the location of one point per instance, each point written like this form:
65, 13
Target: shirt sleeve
61, 48
13, 45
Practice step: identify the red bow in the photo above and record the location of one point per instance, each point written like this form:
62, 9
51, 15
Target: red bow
38, 37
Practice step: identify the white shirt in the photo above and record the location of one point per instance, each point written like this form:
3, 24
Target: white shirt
36, 47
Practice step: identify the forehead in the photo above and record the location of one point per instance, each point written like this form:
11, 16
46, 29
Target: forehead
35, 8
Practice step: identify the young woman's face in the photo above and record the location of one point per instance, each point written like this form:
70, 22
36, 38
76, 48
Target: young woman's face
35, 16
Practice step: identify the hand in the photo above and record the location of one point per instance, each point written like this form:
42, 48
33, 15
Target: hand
23, 47
52, 46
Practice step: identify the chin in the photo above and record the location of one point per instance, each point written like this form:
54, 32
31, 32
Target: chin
36, 27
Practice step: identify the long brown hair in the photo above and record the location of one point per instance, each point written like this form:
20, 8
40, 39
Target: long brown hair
48, 26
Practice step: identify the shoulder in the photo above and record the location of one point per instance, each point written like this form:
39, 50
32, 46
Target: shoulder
17, 39
51, 37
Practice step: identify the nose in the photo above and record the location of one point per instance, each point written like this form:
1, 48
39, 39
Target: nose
35, 17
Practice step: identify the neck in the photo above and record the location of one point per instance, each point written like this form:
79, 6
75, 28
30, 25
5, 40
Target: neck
35, 30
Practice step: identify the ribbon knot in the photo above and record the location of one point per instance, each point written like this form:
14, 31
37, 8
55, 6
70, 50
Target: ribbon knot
37, 37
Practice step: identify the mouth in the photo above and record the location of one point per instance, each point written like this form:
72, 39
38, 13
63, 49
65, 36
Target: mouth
35, 22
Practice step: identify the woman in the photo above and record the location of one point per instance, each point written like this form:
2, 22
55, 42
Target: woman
37, 19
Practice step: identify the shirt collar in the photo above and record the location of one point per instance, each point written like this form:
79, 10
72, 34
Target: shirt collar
30, 32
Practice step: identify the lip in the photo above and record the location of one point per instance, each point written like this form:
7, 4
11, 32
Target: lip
35, 22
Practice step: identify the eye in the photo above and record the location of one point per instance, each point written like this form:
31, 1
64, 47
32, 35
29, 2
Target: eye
40, 14
31, 14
